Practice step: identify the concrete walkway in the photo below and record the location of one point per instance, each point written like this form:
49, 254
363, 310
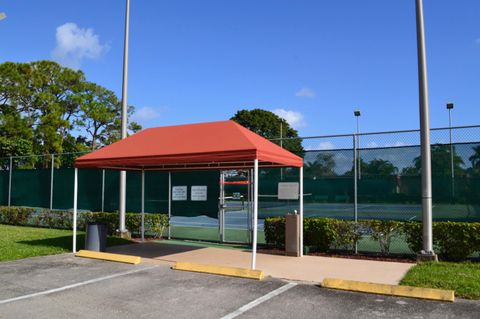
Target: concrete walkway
307, 268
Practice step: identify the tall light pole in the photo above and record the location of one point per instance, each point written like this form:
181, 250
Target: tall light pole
427, 252
357, 116
123, 174
450, 108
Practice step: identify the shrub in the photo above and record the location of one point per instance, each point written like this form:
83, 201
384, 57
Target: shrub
53, 219
15, 215
413, 235
155, 224
348, 233
455, 240
274, 228
452, 240
382, 231
320, 233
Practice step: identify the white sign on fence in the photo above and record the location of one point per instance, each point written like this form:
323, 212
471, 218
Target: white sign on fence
179, 193
199, 193
288, 190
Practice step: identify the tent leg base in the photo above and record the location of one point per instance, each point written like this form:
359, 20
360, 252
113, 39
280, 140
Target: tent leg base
123, 234
426, 256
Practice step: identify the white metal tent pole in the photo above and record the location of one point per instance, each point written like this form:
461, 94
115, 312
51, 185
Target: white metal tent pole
143, 205
10, 182
75, 191
169, 203
301, 211
249, 206
255, 213
123, 174
51, 181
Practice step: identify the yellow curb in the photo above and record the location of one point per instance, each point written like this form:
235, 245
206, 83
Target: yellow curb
110, 257
392, 290
220, 270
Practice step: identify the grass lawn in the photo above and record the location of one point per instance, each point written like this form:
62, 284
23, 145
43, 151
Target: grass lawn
18, 242
464, 278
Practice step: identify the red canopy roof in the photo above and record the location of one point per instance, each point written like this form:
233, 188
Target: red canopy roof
215, 145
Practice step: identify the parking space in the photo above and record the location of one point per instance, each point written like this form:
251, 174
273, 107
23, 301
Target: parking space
67, 287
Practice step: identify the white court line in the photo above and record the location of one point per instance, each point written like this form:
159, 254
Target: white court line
260, 300
83, 283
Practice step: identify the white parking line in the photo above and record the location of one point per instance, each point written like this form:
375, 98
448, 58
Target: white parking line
83, 283
258, 301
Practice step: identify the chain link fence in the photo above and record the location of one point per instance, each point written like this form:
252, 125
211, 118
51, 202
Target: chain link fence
385, 166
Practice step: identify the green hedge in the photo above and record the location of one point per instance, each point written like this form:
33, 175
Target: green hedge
452, 240
155, 224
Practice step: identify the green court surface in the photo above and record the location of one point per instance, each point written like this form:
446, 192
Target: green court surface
211, 234
205, 244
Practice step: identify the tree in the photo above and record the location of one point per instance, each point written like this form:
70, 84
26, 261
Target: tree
379, 167
323, 166
43, 104
376, 167
100, 115
45, 94
441, 162
475, 160
267, 124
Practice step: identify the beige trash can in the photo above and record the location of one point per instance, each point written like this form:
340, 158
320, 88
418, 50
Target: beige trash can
292, 235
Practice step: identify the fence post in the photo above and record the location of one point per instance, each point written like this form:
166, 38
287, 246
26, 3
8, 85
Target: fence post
51, 181
10, 182
355, 188
103, 190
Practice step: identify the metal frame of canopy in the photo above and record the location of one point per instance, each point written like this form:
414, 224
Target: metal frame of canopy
178, 167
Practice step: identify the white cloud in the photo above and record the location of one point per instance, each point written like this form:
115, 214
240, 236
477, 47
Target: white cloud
75, 44
396, 144
322, 146
372, 144
294, 119
145, 114
305, 92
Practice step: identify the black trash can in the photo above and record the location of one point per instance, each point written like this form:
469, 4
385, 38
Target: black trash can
96, 237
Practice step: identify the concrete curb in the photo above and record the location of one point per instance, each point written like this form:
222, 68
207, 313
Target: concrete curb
135, 260
220, 270
391, 290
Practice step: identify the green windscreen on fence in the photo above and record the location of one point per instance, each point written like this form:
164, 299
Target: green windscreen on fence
388, 185
4, 176
31, 187
209, 181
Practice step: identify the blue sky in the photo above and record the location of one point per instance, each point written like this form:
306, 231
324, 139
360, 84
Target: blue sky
314, 61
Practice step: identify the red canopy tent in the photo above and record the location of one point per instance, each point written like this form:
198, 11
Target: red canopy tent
216, 145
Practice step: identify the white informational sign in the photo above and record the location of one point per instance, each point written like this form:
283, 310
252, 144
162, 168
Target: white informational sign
288, 190
179, 193
199, 193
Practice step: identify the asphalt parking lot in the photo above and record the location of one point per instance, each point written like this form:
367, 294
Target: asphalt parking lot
64, 286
